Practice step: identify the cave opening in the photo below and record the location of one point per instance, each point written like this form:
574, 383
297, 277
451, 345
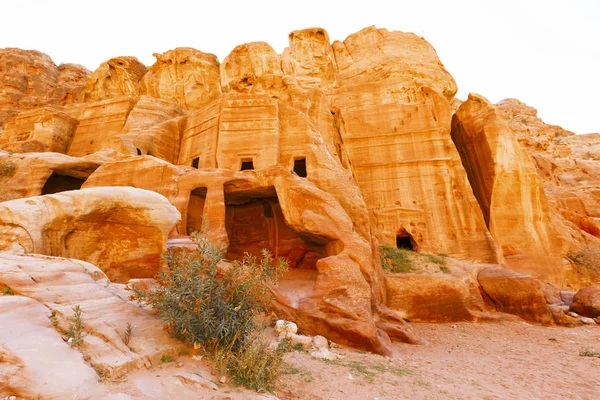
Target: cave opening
196, 162
300, 167
255, 221
61, 183
139, 152
405, 241
195, 210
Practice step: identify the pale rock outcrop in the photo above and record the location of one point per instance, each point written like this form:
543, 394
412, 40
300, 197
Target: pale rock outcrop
529, 237
122, 230
61, 284
119, 76
185, 76
36, 362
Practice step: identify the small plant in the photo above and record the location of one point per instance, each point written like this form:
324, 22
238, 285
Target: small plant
552, 339
127, 334
166, 359
299, 347
7, 168
445, 269
75, 331
7, 291
53, 318
396, 260
588, 353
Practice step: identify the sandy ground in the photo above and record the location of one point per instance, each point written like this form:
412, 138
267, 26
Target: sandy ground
505, 360
495, 360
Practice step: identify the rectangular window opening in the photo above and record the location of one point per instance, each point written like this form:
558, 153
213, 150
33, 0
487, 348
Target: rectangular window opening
196, 162
300, 167
247, 165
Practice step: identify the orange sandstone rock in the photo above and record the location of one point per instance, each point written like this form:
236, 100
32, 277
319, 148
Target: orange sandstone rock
119, 76
586, 302
528, 235
320, 155
185, 76
515, 293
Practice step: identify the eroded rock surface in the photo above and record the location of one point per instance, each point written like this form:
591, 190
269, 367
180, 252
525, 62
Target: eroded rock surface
320, 154
122, 230
528, 235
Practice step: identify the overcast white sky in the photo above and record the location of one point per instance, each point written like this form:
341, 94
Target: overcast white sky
543, 52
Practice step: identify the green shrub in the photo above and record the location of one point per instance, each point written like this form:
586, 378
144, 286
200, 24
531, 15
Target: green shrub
75, 331
257, 365
216, 308
396, 260
7, 291
439, 259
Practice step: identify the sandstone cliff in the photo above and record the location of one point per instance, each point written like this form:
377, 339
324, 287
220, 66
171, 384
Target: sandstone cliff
321, 154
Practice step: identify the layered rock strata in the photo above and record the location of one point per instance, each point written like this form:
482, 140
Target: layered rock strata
321, 155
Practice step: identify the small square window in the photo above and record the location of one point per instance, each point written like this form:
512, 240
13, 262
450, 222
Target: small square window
247, 165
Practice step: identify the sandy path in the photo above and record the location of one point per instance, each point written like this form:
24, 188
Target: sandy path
503, 360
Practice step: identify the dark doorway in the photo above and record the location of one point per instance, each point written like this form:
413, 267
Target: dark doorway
61, 183
256, 223
195, 211
404, 242
196, 162
300, 167
247, 165
139, 152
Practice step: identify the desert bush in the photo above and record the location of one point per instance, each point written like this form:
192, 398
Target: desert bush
396, 260
256, 365
215, 307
